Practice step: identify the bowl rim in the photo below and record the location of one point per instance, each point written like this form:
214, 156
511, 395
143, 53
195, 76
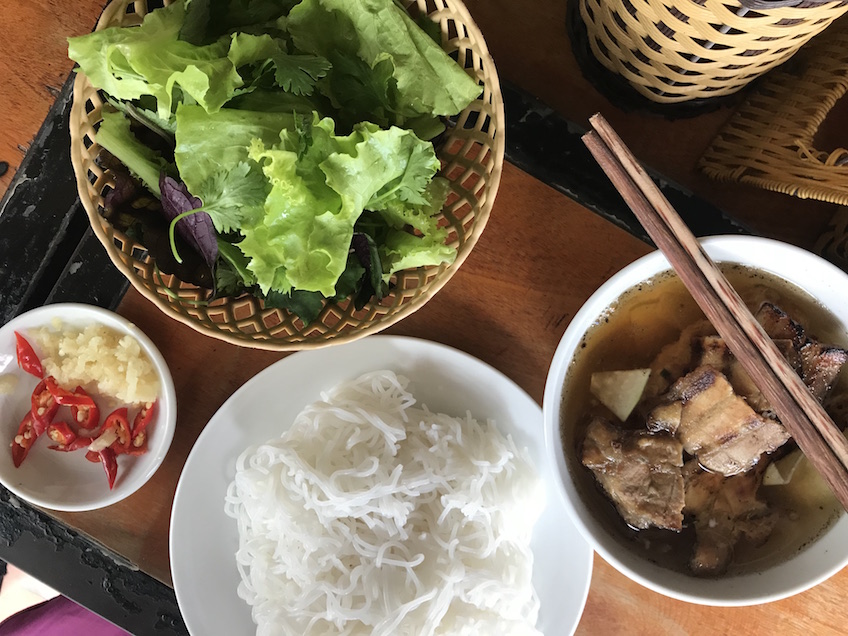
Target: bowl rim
166, 403
729, 591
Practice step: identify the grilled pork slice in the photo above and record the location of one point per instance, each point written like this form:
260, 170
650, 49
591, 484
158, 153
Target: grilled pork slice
715, 353
675, 359
818, 364
725, 510
778, 325
719, 427
640, 472
665, 417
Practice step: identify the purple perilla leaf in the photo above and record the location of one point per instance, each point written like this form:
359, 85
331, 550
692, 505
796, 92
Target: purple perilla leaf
196, 229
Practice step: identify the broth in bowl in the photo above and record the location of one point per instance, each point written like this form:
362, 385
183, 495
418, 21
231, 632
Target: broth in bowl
801, 548
732, 503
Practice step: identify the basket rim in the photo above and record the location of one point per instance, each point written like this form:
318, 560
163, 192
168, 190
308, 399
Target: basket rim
493, 179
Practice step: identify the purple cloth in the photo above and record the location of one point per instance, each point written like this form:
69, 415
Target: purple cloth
58, 617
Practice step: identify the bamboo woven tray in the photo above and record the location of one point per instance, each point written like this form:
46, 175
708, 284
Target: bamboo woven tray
770, 140
471, 158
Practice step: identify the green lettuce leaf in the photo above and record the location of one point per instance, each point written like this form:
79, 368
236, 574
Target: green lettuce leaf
428, 81
273, 101
321, 183
405, 251
207, 20
359, 92
116, 136
150, 59
420, 214
400, 249
245, 48
106, 56
207, 143
212, 157
303, 237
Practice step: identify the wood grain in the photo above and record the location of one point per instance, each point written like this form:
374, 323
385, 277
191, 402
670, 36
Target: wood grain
616, 605
33, 66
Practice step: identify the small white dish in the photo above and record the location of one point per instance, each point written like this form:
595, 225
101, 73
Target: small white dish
204, 540
818, 561
67, 481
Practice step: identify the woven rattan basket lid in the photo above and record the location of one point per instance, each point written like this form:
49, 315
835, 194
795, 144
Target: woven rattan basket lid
471, 158
673, 51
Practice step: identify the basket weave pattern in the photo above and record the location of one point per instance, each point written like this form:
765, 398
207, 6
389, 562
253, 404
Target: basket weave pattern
471, 158
681, 50
770, 140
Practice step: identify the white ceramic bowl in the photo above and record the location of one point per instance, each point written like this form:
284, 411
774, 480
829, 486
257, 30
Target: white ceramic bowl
825, 556
66, 481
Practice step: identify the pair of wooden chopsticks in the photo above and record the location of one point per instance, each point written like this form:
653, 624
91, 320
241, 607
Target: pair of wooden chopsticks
802, 415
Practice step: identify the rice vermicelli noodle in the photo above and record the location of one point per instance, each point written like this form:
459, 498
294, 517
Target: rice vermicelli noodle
371, 515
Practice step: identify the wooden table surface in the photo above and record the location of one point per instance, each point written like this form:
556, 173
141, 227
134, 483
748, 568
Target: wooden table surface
508, 304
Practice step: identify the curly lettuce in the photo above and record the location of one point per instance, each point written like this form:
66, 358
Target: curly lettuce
300, 129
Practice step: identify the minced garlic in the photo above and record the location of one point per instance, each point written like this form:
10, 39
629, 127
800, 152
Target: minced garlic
97, 357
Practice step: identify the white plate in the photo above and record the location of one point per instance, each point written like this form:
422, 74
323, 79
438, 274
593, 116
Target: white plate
66, 481
204, 540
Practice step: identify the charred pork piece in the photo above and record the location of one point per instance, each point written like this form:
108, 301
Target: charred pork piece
640, 471
725, 510
675, 359
818, 364
744, 385
779, 326
718, 427
715, 353
665, 417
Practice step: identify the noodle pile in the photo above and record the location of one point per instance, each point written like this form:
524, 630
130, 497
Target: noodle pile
372, 516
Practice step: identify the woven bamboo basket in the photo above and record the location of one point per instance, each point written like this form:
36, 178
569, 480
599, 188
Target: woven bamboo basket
679, 50
770, 140
471, 158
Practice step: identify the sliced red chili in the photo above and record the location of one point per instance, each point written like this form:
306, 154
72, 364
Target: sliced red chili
117, 421
27, 358
86, 414
93, 457
24, 439
141, 449
110, 465
76, 444
61, 433
68, 398
139, 432
44, 406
